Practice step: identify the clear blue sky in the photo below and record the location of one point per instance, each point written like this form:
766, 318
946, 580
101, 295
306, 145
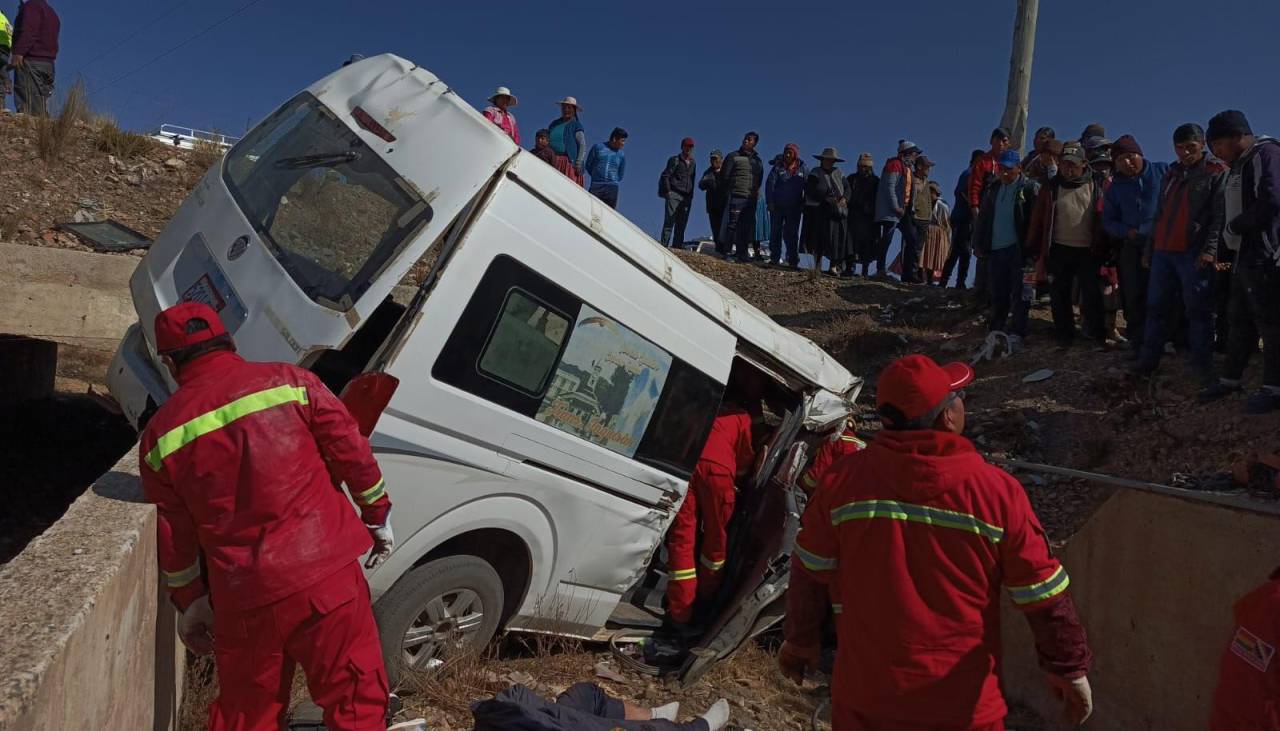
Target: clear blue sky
856, 75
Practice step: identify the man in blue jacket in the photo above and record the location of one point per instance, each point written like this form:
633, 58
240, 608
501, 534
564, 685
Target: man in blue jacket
607, 165
1129, 215
1247, 220
784, 195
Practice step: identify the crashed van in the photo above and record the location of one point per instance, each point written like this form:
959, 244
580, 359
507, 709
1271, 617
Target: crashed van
537, 375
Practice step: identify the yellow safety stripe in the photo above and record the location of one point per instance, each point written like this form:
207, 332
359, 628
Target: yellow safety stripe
684, 574
809, 481
179, 579
813, 561
896, 510
373, 494
180, 436
861, 444
1057, 583
713, 565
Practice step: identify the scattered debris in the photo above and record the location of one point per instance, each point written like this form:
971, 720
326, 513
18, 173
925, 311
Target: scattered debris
108, 236
608, 673
1043, 374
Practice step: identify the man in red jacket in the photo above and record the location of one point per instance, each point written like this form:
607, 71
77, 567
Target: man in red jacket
841, 444
242, 463
697, 561
920, 533
1248, 695
984, 168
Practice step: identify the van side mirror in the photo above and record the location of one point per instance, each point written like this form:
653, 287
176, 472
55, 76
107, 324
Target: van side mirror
366, 396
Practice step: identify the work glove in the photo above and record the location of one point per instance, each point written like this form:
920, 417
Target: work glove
383, 541
1076, 696
796, 662
195, 626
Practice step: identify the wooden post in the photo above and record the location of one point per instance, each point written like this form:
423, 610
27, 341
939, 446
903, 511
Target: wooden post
1018, 101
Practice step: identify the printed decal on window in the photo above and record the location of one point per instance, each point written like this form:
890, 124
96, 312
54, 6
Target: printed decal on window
607, 384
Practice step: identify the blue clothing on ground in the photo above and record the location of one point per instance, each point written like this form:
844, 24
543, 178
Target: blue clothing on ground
1130, 202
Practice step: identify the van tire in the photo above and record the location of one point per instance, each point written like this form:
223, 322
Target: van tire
459, 585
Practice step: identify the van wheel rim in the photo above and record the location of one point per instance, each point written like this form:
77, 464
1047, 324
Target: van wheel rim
447, 623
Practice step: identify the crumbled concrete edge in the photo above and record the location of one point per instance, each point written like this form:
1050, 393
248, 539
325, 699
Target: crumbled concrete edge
48, 590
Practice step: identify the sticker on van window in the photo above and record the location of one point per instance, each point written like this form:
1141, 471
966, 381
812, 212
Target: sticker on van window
606, 385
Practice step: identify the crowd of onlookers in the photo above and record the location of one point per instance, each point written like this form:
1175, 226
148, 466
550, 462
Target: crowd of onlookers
29, 47
1189, 251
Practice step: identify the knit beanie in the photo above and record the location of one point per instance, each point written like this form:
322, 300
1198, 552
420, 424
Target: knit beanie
1231, 123
1189, 132
1093, 130
1125, 145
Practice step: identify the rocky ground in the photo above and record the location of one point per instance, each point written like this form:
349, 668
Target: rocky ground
1087, 415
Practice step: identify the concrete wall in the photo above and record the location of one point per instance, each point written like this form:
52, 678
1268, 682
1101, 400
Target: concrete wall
89, 643
1154, 577
75, 298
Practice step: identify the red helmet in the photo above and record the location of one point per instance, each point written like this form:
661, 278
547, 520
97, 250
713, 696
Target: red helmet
186, 324
916, 385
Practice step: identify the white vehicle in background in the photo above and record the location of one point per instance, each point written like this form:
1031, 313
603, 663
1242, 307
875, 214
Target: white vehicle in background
542, 392
187, 137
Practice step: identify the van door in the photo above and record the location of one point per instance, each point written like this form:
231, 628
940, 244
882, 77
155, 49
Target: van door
767, 522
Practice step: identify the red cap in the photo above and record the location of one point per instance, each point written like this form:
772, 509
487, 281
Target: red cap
175, 327
915, 384
686, 142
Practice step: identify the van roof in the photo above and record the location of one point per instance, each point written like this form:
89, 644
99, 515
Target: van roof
372, 80
794, 352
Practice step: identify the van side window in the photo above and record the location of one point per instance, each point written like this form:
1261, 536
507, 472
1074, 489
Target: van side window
527, 344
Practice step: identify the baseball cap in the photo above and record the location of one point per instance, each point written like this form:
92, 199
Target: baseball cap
1073, 152
686, 142
914, 386
1009, 159
186, 324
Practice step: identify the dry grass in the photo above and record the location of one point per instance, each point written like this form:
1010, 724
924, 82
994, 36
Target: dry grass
109, 138
206, 154
200, 688
55, 134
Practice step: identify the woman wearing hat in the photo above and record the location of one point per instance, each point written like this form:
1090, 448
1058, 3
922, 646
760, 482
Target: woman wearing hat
826, 212
569, 140
502, 99
937, 239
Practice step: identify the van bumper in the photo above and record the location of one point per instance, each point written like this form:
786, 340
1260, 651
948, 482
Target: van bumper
133, 380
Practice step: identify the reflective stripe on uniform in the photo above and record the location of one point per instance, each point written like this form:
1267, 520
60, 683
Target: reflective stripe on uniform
809, 481
179, 579
180, 436
813, 561
1057, 582
684, 574
861, 444
713, 565
837, 608
373, 494
896, 510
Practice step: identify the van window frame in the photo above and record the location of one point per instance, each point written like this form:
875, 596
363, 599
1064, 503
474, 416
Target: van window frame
564, 342
458, 364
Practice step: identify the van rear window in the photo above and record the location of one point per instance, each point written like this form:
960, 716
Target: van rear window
330, 210
527, 344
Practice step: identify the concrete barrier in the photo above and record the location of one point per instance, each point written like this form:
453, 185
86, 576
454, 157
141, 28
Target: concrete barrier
89, 642
1155, 577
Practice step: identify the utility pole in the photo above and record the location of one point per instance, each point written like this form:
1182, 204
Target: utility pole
1018, 101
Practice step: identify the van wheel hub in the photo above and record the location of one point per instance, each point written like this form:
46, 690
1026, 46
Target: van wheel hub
446, 625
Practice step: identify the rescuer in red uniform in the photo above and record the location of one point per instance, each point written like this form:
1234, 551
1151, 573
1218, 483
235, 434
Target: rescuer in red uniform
840, 445
242, 463
696, 561
1248, 695
921, 533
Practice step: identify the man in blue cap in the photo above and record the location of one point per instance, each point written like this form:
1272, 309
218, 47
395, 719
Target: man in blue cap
1000, 235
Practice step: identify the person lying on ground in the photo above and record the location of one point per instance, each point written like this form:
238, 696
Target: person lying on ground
586, 707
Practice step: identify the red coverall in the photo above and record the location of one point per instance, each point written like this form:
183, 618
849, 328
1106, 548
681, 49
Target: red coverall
242, 463
1248, 695
921, 533
828, 453
709, 500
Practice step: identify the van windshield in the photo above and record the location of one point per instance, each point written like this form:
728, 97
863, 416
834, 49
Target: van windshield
331, 211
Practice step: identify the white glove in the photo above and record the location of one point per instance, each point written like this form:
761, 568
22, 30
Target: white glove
195, 626
383, 541
1076, 696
